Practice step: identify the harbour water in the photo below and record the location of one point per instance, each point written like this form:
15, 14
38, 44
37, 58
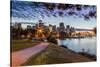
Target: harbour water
87, 45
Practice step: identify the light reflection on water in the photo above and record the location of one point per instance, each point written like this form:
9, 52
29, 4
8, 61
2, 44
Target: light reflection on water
88, 44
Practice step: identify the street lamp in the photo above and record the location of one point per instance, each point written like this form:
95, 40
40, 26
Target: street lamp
40, 30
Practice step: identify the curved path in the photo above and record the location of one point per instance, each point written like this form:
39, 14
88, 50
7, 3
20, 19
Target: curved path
20, 57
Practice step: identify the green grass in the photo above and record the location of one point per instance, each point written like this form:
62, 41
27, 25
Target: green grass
51, 55
21, 44
54, 54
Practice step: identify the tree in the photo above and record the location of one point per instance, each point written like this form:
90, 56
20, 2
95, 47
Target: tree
95, 30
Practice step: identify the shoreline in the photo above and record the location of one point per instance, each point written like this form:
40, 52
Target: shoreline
91, 56
55, 54
53, 40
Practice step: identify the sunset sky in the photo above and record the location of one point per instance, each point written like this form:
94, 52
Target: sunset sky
79, 16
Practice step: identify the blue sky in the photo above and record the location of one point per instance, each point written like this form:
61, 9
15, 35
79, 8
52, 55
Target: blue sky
23, 11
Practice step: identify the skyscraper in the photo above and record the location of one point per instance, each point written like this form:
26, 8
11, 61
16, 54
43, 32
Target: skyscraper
61, 27
50, 28
68, 28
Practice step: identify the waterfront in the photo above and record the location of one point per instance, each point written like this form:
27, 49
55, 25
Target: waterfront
87, 45
36, 26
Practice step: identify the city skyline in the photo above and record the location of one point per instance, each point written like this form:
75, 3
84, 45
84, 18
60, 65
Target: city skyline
90, 24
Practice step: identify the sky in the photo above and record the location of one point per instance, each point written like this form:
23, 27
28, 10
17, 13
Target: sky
78, 16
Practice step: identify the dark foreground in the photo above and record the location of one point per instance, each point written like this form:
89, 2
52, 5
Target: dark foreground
55, 54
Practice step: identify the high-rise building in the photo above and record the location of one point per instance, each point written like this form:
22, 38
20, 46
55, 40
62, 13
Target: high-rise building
18, 26
61, 27
40, 24
72, 29
68, 28
36, 25
40, 29
54, 28
33, 27
50, 28
29, 27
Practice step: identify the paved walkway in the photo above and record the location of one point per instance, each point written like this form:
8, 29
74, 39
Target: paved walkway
22, 56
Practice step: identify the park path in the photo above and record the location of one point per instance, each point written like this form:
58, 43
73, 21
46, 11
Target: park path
20, 57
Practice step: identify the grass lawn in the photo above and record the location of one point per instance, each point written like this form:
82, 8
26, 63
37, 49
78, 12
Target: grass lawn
54, 54
21, 44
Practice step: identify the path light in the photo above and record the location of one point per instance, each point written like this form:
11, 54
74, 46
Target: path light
28, 36
40, 30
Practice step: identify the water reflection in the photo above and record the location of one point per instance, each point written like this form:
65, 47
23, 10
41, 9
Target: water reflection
79, 45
